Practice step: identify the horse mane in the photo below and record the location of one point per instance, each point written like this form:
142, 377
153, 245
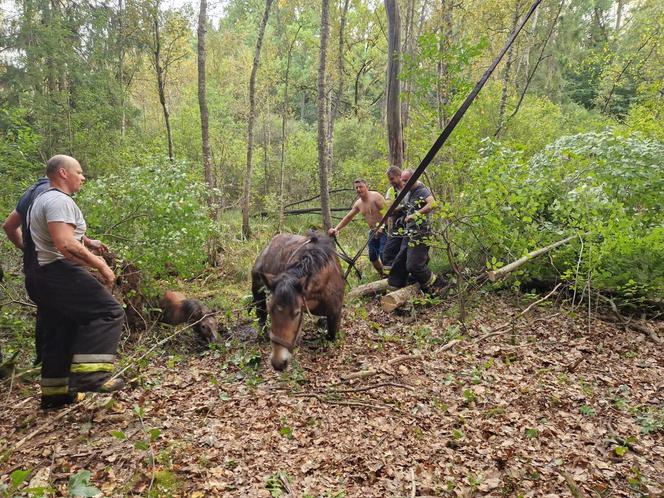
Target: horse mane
193, 309
309, 259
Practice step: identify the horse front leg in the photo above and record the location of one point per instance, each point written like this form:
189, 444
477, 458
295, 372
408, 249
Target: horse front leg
333, 322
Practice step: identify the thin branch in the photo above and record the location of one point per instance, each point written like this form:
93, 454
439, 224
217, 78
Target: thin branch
501, 328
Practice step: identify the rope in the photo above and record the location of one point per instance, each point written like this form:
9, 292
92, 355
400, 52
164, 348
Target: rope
447, 131
347, 259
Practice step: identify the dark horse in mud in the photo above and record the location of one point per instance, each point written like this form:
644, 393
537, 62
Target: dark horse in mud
303, 275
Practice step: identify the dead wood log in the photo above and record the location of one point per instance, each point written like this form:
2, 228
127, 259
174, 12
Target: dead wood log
628, 323
393, 300
501, 272
370, 288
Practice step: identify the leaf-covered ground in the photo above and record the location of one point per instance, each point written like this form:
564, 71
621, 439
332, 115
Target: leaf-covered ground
557, 405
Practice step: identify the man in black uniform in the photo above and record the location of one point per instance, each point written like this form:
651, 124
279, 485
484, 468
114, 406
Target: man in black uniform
395, 221
413, 256
82, 319
16, 229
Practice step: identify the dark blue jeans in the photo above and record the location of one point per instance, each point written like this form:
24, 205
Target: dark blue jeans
376, 246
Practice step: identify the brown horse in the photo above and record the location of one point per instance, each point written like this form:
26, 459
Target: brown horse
302, 274
176, 309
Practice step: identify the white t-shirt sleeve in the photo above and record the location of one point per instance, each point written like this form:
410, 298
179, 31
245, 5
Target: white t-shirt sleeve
61, 208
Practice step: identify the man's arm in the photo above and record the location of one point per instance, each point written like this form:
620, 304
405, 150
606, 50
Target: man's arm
12, 227
62, 235
426, 209
345, 220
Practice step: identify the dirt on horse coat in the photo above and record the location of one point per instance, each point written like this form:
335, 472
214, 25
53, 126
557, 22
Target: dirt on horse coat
177, 309
302, 274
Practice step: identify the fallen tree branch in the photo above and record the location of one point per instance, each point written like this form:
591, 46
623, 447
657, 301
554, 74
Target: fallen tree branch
49, 424
370, 288
576, 493
501, 328
347, 403
501, 272
366, 388
628, 323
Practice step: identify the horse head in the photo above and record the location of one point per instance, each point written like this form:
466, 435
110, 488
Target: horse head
205, 323
286, 315
208, 328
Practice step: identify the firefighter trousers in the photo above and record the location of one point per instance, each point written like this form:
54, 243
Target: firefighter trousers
81, 322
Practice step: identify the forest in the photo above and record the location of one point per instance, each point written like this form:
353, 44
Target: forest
205, 129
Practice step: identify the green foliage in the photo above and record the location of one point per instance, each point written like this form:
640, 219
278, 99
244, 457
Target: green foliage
601, 185
79, 485
153, 215
275, 484
19, 144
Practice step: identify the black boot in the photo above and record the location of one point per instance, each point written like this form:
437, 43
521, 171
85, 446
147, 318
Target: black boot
55, 401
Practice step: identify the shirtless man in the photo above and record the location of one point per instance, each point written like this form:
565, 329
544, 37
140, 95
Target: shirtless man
370, 204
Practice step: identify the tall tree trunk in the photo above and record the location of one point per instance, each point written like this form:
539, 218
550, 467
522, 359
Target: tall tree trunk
266, 145
246, 194
322, 108
121, 57
393, 109
525, 59
202, 104
409, 50
336, 102
619, 12
161, 82
443, 78
284, 118
506, 74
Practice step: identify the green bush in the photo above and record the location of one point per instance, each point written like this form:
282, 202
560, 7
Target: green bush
601, 185
155, 216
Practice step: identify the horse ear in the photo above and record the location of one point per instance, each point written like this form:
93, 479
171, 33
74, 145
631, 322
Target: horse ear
268, 279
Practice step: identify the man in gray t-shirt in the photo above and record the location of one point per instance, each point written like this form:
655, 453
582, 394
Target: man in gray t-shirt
50, 207
83, 321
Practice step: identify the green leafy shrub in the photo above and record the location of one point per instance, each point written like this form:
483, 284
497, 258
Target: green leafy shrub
604, 186
154, 215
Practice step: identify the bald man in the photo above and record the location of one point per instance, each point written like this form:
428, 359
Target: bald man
82, 319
